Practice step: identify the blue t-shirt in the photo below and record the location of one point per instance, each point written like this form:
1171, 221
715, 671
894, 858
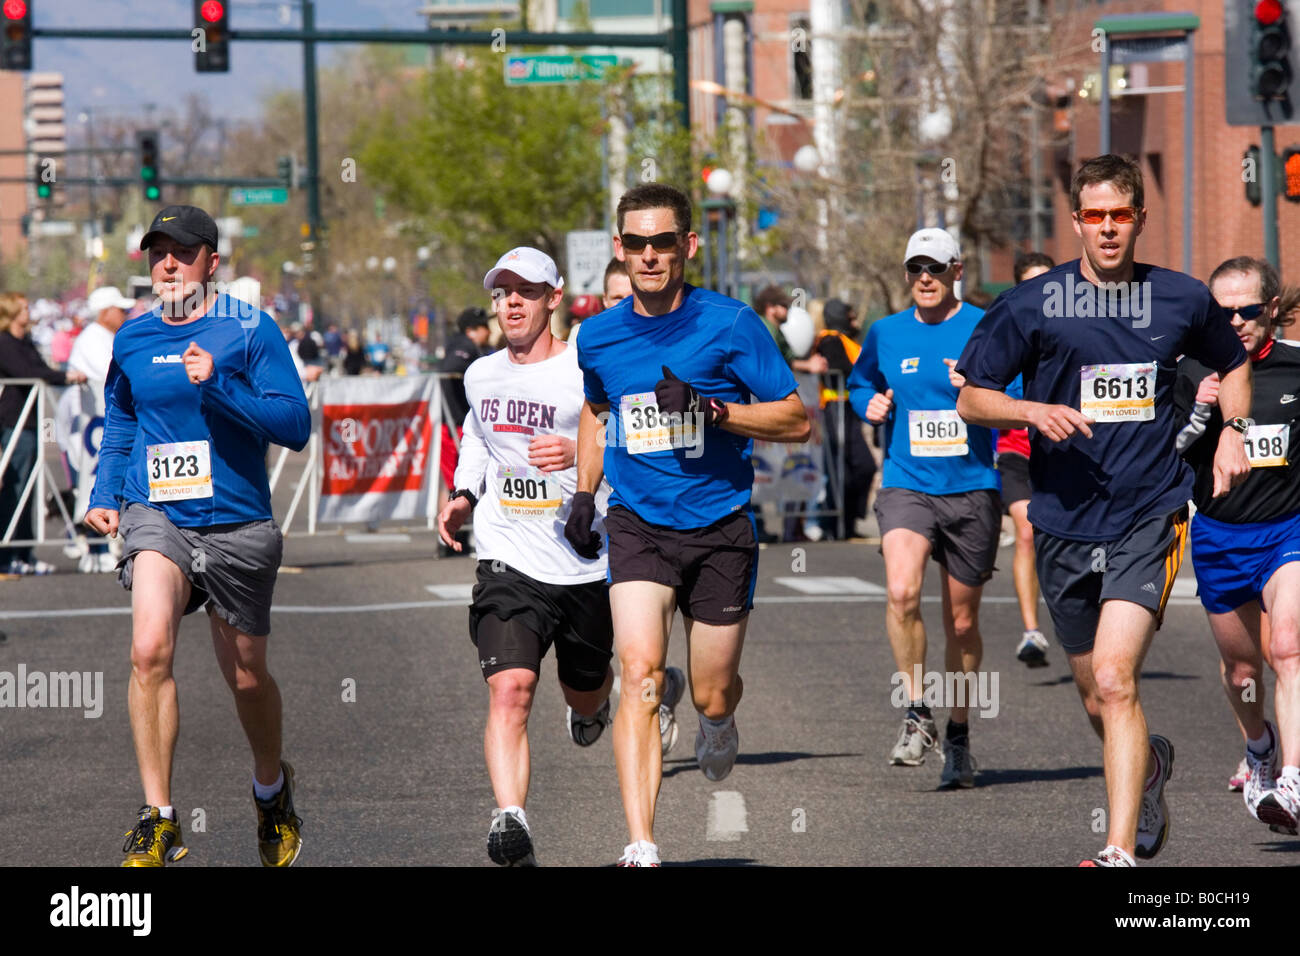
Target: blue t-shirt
721, 347
1051, 328
253, 397
903, 353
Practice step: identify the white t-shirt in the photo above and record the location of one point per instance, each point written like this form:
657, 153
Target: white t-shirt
521, 511
92, 352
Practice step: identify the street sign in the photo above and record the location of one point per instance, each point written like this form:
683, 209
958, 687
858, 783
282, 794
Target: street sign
588, 252
537, 69
272, 196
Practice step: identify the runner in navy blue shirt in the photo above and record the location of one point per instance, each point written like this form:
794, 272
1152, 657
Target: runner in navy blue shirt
1097, 339
195, 391
669, 374
1246, 544
938, 493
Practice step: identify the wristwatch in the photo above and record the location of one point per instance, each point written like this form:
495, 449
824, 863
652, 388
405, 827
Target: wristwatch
1241, 424
720, 410
466, 494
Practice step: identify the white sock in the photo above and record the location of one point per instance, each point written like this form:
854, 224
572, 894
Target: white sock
167, 813
265, 791
1260, 746
721, 724
519, 812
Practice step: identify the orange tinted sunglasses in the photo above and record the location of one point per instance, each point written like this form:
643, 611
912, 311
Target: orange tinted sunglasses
1095, 216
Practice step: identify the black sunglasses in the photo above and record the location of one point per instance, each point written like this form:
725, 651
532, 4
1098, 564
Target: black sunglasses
1249, 313
934, 268
662, 241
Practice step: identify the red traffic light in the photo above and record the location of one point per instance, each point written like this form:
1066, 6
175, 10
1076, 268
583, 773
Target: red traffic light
214, 10
1268, 12
15, 9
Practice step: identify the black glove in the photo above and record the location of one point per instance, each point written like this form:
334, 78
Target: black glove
582, 514
676, 397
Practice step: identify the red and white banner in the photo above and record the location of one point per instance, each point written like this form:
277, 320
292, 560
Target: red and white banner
378, 449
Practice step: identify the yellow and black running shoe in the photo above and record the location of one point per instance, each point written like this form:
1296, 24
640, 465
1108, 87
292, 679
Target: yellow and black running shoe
155, 841
278, 838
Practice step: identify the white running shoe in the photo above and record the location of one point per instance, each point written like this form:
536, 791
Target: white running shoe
640, 853
715, 750
1111, 856
1238, 780
1263, 776
1032, 649
1280, 808
674, 687
918, 735
510, 842
958, 767
585, 731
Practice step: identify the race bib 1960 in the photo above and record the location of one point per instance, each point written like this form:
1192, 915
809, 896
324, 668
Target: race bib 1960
1267, 445
179, 470
1118, 393
527, 494
936, 434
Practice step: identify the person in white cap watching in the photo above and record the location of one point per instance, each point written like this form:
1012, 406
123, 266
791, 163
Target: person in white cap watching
92, 353
938, 493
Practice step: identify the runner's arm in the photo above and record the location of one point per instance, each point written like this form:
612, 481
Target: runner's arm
471, 466
270, 402
591, 445
994, 409
1231, 466
785, 420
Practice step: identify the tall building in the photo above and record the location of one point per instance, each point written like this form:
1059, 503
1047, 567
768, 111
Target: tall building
13, 165
46, 135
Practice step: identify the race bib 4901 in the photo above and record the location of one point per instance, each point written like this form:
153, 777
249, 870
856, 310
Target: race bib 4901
527, 494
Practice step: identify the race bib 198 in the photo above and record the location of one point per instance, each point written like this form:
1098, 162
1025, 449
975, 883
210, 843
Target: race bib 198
179, 470
1118, 393
1267, 445
936, 434
527, 494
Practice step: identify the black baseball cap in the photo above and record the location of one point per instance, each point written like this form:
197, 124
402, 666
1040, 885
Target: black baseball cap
472, 318
188, 225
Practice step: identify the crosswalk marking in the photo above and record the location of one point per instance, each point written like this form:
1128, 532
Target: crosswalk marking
727, 816
806, 584
449, 592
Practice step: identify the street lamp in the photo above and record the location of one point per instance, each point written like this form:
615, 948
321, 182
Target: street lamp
719, 213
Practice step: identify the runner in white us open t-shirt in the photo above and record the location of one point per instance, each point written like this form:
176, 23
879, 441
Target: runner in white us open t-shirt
516, 471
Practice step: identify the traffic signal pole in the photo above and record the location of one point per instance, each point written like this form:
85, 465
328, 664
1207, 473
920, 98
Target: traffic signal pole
1268, 194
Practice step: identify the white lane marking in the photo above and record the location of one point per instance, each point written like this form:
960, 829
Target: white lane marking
1184, 587
830, 585
448, 591
727, 817
377, 538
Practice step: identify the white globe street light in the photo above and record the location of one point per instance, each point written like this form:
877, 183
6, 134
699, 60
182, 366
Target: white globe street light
720, 182
807, 159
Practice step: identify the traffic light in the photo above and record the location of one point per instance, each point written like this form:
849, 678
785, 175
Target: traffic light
1291, 173
45, 175
212, 36
1270, 47
286, 168
16, 49
150, 163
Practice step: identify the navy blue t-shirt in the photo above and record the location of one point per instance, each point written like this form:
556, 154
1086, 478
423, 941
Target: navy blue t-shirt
723, 349
921, 453
1058, 329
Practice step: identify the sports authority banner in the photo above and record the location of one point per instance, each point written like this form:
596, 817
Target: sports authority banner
78, 427
378, 449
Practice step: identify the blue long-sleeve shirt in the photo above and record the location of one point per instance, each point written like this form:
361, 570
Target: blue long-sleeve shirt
253, 397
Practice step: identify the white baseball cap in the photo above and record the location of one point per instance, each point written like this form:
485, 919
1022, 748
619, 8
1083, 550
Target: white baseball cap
107, 297
531, 265
937, 244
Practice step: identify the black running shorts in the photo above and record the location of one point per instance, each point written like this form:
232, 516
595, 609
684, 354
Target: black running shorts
231, 568
1014, 470
713, 570
1076, 576
514, 620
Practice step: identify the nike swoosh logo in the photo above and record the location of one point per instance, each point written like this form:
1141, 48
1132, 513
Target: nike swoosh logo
1288, 399
170, 218
1156, 338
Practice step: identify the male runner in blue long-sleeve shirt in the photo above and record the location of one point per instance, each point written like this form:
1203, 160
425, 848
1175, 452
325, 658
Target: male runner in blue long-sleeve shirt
196, 390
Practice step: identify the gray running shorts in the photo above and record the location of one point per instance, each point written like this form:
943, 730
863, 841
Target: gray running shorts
963, 529
231, 568
1077, 576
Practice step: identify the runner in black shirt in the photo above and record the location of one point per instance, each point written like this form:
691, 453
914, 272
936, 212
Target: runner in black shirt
1246, 545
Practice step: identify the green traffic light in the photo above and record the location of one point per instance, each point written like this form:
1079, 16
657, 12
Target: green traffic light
148, 173
152, 193
44, 190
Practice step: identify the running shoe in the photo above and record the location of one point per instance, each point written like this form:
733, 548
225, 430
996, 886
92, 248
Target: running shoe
674, 687
715, 750
640, 853
279, 840
1111, 856
958, 767
918, 735
1033, 649
1280, 807
34, 566
510, 843
585, 731
1238, 780
1153, 823
155, 841
1263, 776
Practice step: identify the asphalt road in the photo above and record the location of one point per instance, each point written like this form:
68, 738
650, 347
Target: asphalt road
393, 773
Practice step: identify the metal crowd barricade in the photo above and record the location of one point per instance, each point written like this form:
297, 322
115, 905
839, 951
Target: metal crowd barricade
40, 482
